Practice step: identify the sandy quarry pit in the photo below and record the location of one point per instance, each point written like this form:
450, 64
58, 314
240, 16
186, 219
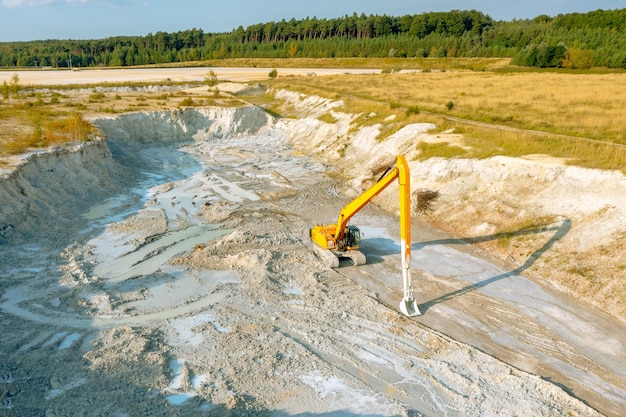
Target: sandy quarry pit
166, 270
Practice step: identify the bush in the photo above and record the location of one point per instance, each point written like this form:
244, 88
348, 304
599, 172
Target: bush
187, 101
211, 79
425, 200
412, 110
273, 73
97, 96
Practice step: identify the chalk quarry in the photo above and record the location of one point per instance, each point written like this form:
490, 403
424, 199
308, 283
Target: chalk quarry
165, 269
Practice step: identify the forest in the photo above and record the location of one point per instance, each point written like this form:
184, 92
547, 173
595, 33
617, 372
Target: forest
575, 40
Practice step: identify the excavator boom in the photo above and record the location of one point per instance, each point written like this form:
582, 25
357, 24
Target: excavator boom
361, 201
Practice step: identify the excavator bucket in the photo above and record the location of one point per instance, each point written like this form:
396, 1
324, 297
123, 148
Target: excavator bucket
409, 307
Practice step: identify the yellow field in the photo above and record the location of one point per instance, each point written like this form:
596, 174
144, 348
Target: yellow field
591, 106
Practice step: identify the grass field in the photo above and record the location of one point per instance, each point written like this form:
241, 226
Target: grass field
527, 112
499, 109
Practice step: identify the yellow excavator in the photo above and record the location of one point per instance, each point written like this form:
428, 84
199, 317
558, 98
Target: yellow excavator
342, 241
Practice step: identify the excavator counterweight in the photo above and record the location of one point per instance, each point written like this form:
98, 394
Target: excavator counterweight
342, 241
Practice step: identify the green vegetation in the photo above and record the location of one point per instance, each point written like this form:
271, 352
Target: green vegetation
47, 129
327, 118
576, 40
31, 122
211, 79
412, 110
37, 118
439, 149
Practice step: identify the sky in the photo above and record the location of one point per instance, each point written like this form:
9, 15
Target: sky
24, 20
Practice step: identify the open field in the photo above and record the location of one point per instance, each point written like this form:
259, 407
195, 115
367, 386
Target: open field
586, 106
589, 106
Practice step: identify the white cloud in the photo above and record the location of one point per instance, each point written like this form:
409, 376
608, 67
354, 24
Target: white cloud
18, 3
35, 3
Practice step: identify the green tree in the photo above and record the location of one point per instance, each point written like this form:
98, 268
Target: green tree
578, 59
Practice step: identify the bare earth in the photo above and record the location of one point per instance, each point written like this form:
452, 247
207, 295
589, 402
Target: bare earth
168, 271
91, 76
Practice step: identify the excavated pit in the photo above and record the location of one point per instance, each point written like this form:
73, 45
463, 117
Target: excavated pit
166, 270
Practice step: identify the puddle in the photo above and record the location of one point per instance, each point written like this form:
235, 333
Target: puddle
119, 269
18, 304
180, 286
69, 341
148, 258
177, 398
105, 209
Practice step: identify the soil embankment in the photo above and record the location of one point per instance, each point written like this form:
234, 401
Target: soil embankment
171, 272
50, 189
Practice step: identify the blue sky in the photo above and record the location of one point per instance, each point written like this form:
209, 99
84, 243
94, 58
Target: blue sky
22, 20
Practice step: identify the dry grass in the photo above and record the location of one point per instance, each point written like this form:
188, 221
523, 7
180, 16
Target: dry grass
587, 105
376, 64
425, 200
37, 124
36, 118
591, 106
584, 105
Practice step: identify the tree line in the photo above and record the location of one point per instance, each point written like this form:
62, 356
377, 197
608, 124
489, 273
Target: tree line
575, 40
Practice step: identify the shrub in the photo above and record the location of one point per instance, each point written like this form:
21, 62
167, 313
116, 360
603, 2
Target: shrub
14, 85
5, 90
425, 200
211, 79
187, 101
412, 110
95, 96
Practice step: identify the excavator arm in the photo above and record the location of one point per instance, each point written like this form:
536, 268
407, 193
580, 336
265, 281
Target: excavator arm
361, 201
333, 237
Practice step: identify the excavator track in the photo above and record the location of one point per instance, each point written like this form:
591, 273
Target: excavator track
331, 258
358, 258
326, 256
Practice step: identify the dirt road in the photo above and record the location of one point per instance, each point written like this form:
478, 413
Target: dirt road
93, 76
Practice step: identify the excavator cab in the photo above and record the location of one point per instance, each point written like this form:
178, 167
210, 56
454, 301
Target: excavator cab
352, 238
